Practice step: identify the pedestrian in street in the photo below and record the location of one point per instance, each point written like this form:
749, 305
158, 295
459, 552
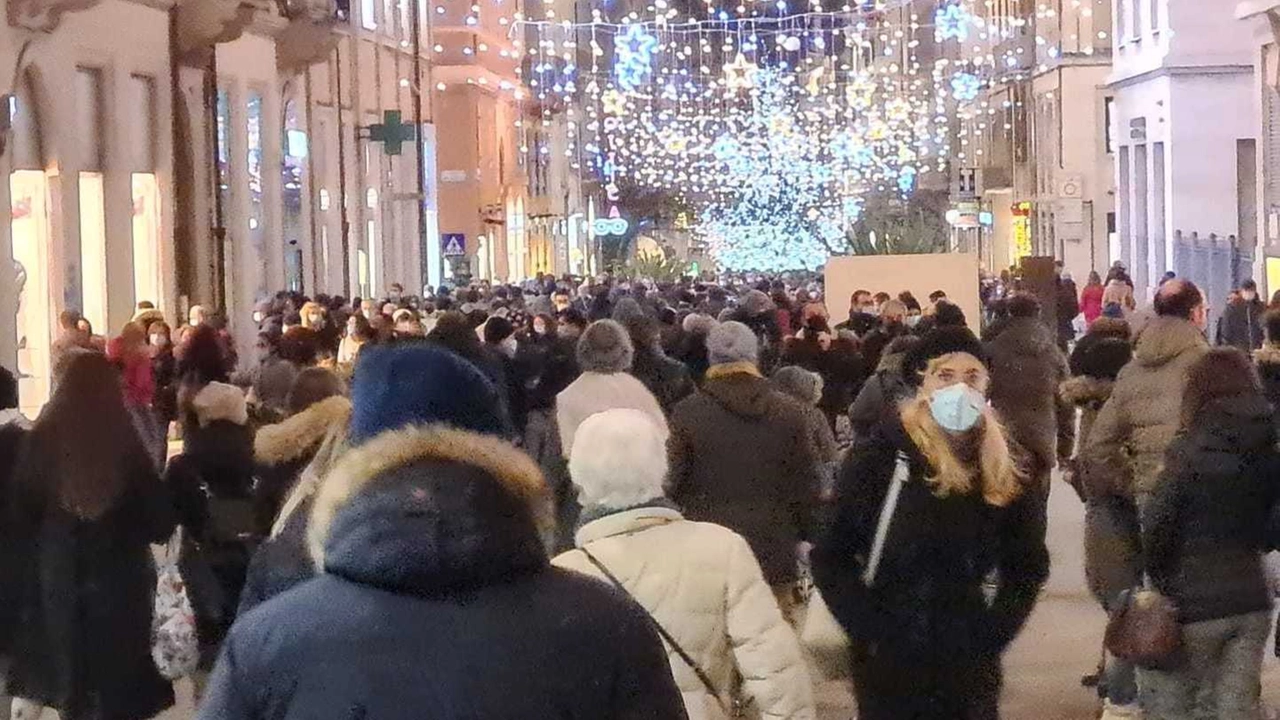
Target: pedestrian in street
1241, 323
1205, 534
1027, 367
437, 597
604, 356
131, 355
357, 334
700, 582
211, 482
1068, 307
816, 347
1113, 562
926, 639
86, 504
281, 451
1267, 358
888, 386
14, 428
806, 388
862, 316
293, 459
669, 380
164, 371
200, 363
1091, 298
1127, 442
741, 457
693, 346
1120, 292
893, 325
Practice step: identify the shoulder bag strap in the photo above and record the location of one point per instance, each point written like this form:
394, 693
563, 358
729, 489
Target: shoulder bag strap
688, 660
901, 474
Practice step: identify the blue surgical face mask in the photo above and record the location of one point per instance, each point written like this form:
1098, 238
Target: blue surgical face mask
957, 408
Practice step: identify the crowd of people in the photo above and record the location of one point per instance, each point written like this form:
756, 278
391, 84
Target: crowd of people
604, 499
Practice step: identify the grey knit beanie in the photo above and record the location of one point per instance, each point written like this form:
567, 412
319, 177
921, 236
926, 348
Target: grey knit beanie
605, 347
732, 342
799, 383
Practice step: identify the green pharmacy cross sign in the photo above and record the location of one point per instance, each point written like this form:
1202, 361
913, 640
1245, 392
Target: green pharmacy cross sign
392, 133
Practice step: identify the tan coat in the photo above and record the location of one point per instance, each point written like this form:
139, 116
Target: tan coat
702, 583
1129, 438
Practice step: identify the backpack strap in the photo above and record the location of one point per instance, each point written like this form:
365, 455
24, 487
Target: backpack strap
901, 475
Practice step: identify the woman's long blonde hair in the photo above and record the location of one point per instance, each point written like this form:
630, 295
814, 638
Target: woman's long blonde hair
1002, 479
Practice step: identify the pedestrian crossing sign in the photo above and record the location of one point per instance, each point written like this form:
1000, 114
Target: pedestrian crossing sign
454, 244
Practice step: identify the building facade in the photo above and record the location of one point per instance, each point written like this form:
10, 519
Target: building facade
1035, 143
1185, 140
216, 151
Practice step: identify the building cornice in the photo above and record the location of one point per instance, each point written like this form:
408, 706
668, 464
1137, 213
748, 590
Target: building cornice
1180, 71
1252, 8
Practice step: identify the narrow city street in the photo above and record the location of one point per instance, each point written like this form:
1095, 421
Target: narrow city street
1045, 665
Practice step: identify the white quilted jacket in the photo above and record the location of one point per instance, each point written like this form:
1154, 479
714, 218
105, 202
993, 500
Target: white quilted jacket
703, 585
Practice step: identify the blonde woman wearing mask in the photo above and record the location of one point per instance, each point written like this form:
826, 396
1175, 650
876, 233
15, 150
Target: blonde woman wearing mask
939, 477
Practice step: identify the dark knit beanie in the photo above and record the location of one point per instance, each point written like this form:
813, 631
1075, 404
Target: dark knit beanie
420, 384
936, 343
498, 329
8, 390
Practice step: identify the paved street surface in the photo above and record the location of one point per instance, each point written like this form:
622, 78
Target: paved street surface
1043, 668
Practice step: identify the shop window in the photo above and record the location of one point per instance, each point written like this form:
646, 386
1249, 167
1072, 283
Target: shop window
93, 252
146, 239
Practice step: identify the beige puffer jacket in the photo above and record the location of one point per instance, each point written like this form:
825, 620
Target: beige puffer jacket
703, 584
1142, 417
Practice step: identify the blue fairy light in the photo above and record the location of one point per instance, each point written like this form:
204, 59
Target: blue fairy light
965, 86
952, 22
633, 61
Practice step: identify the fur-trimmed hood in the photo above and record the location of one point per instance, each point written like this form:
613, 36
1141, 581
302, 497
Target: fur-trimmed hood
1084, 390
301, 434
431, 510
1267, 355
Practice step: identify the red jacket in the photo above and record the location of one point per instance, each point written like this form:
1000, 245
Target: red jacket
1091, 302
135, 371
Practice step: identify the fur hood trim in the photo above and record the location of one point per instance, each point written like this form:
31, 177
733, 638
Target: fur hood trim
295, 437
1085, 390
1267, 355
359, 467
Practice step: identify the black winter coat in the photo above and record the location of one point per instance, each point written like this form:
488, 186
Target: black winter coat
741, 457
840, 366
1026, 369
1207, 524
87, 598
1241, 325
12, 559
927, 604
438, 601
212, 486
669, 380
1268, 361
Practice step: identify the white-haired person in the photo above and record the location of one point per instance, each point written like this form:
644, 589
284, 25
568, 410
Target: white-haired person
938, 475
726, 639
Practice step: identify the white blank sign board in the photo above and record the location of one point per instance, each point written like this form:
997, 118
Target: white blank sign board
956, 274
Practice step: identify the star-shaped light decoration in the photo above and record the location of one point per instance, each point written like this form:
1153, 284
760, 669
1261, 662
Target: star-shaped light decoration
613, 102
965, 86
952, 21
633, 61
740, 74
